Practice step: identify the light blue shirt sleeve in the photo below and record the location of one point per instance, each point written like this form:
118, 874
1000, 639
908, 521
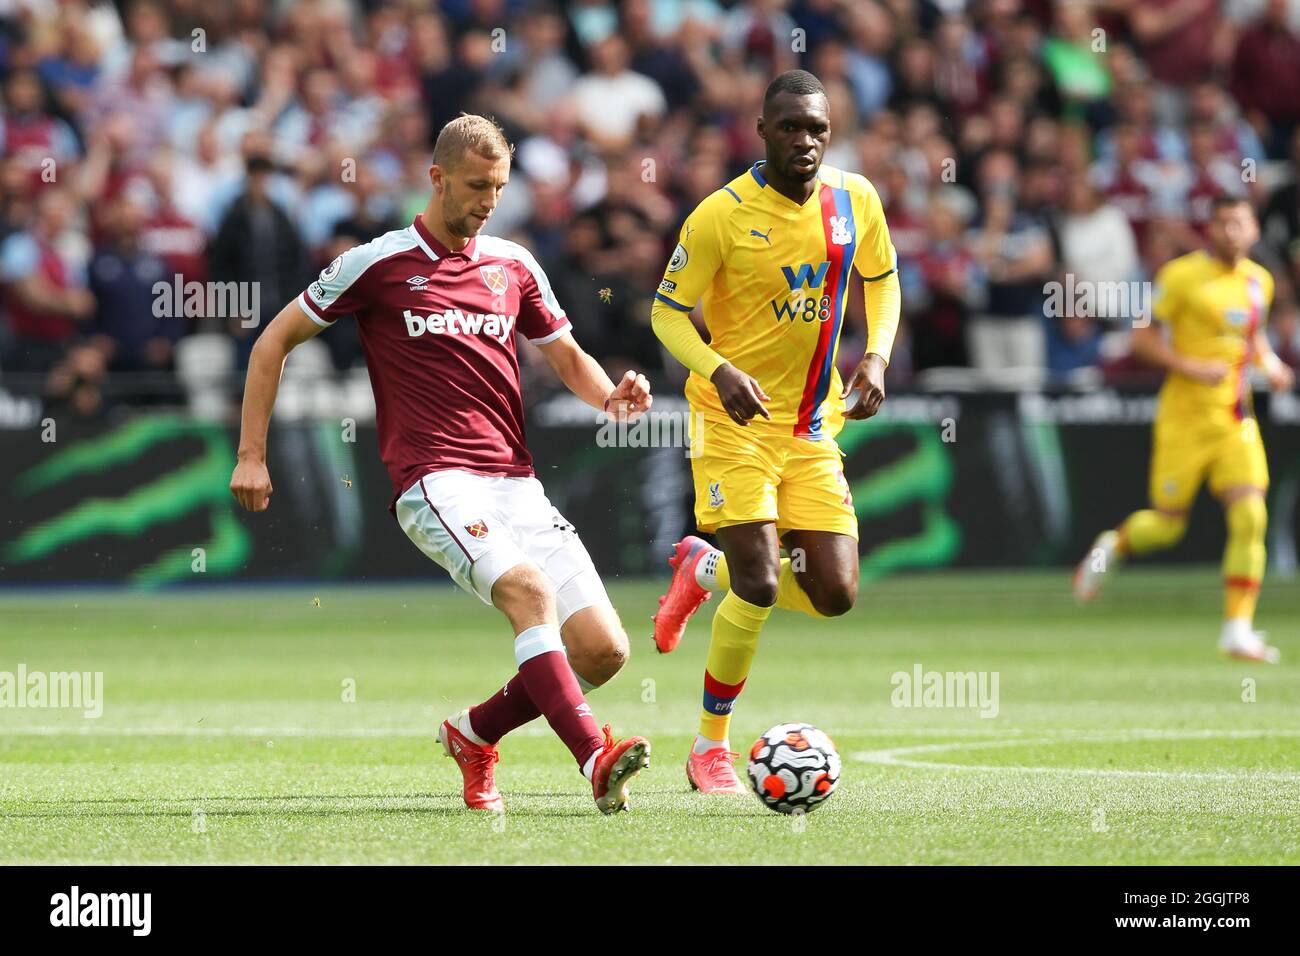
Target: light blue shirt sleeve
19, 257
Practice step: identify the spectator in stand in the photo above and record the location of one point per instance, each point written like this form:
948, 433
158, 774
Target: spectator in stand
167, 232
1280, 221
46, 301
1014, 248
612, 98
627, 113
1098, 257
1266, 75
29, 134
128, 330
258, 243
1207, 174
1181, 41
949, 285
1097, 245
1127, 180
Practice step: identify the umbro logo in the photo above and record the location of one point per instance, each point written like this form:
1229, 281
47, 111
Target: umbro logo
416, 282
584, 709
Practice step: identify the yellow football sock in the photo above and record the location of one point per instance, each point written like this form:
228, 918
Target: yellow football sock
736, 626
1150, 530
1244, 556
789, 593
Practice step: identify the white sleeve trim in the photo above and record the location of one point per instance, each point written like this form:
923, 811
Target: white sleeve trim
305, 305
568, 327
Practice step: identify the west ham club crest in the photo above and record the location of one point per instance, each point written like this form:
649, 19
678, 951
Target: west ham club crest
495, 278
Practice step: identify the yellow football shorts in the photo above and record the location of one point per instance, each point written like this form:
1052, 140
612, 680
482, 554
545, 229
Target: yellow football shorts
761, 472
1184, 455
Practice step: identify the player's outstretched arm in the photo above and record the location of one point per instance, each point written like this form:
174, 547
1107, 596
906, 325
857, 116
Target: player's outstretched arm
251, 482
584, 377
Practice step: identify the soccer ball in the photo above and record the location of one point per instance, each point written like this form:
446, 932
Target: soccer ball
793, 768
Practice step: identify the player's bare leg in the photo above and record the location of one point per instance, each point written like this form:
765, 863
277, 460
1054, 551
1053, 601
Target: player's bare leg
596, 643
525, 596
1243, 567
597, 649
820, 578
825, 567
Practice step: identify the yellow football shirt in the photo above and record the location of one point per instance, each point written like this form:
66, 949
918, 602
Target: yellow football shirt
1212, 311
772, 277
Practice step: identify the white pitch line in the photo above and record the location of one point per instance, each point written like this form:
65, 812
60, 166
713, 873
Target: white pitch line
898, 756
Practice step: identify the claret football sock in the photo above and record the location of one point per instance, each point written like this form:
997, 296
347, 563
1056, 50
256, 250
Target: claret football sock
736, 626
545, 673
508, 708
711, 574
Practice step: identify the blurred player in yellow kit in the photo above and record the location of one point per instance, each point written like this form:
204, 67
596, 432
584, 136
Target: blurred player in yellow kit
770, 257
1214, 305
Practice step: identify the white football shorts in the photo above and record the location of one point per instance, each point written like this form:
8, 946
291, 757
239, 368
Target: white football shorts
478, 527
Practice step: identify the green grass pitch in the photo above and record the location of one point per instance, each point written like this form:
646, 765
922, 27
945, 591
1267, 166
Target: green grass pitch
1120, 737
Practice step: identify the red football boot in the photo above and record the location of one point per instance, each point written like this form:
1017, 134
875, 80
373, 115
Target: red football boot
477, 763
618, 762
713, 771
684, 595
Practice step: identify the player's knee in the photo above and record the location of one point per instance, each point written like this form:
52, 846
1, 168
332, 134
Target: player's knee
757, 586
835, 598
599, 662
1248, 517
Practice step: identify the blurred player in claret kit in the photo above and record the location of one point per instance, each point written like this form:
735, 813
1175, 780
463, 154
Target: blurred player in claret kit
770, 257
438, 306
1214, 304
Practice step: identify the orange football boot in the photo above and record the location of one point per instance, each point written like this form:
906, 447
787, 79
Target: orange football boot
619, 761
684, 595
477, 763
712, 771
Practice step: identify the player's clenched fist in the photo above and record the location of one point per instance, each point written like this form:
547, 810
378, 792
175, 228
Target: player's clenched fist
868, 379
251, 484
741, 395
631, 398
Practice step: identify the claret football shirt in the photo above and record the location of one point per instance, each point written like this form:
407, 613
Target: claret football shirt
438, 331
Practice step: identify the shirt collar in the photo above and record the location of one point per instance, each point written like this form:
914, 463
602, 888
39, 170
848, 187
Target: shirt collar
757, 172
435, 249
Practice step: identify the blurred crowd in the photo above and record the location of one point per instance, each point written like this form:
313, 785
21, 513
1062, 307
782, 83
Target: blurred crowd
1013, 142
